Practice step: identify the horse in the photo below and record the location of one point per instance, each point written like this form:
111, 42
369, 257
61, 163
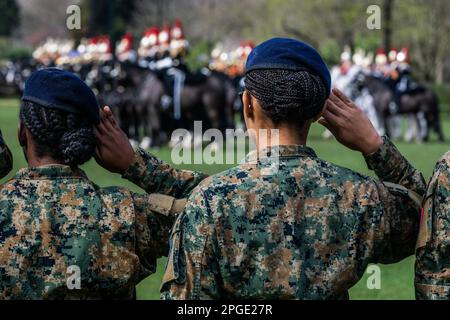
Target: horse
421, 102
204, 101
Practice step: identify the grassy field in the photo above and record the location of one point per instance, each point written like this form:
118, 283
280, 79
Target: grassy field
396, 280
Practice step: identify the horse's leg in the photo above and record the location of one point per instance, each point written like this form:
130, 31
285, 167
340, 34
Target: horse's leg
435, 123
154, 121
438, 129
212, 104
395, 126
423, 126
125, 117
412, 128
381, 128
129, 124
146, 127
387, 125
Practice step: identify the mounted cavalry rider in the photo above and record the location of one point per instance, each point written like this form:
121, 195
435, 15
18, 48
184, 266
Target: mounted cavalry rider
124, 50
149, 45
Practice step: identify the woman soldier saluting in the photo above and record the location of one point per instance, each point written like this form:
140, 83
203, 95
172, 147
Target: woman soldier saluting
61, 235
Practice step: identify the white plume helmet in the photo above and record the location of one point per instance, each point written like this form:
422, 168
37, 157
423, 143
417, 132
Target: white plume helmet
346, 55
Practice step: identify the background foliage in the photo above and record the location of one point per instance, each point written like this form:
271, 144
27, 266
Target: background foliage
330, 25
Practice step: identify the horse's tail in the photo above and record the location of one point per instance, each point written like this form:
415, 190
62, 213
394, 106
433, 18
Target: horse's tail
435, 114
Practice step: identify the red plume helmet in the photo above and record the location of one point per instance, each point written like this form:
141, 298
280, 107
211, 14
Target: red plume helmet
177, 31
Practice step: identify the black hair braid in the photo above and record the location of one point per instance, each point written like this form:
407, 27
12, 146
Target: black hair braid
63, 136
286, 95
78, 142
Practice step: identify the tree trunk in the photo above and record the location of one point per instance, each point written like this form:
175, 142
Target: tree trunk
388, 13
99, 17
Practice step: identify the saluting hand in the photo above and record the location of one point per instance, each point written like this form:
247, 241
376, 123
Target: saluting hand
349, 124
114, 151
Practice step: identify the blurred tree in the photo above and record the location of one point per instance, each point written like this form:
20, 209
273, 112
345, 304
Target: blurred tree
42, 19
421, 25
424, 27
388, 24
9, 17
109, 17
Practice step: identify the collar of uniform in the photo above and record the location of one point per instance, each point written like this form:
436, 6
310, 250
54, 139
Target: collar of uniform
50, 172
282, 151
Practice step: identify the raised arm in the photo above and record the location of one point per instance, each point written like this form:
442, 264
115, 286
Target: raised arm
393, 201
353, 129
114, 153
154, 175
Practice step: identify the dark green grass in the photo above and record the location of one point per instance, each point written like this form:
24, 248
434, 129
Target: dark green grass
396, 280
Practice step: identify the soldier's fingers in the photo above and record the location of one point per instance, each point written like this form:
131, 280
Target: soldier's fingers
101, 128
325, 123
109, 126
331, 118
337, 101
342, 97
98, 136
102, 114
335, 109
340, 103
110, 116
102, 139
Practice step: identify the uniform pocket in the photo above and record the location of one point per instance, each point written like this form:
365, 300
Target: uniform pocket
426, 218
175, 270
424, 236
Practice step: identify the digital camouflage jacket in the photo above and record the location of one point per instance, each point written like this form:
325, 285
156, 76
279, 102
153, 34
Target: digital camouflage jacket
288, 225
63, 237
433, 246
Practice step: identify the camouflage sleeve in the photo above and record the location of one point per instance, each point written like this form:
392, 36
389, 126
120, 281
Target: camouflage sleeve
155, 216
6, 160
391, 224
432, 280
395, 204
390, 165
153, 175
192, 272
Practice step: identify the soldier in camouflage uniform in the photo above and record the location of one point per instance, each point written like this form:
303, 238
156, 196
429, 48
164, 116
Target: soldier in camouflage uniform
433, 245
309, 229
6, 160
61, 235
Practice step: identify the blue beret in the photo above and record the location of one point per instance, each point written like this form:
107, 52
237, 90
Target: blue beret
61, 90
288, 54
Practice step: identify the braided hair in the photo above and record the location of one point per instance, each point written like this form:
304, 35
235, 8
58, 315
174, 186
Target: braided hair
63, 136
287, 95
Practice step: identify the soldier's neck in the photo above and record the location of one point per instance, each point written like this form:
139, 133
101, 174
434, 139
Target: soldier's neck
283, 135
34, 162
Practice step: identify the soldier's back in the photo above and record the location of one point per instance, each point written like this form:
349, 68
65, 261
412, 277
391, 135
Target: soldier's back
56, 228
290, 227
432, 277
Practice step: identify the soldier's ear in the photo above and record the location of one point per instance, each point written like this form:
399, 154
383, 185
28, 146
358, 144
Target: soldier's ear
316, 118
248, 105
22, 135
